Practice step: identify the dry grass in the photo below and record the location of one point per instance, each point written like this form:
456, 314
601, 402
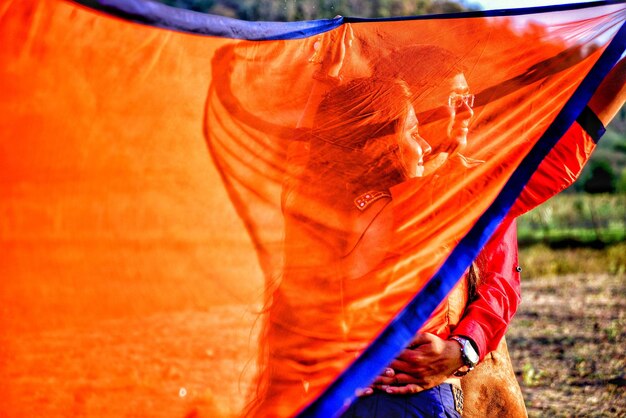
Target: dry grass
539, 261
567, 342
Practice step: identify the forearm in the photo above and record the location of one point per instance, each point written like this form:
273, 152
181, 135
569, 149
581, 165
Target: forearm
485, 322
611, 94
564, 163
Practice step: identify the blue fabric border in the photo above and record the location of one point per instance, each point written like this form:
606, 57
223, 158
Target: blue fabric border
402, 329
181, 20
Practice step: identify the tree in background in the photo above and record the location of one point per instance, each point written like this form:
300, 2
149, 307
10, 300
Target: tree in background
602, 178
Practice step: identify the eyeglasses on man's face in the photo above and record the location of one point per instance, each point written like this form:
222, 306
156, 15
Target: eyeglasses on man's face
455, 100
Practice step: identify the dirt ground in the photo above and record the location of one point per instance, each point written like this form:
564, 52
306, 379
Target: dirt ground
165, 365
567, 345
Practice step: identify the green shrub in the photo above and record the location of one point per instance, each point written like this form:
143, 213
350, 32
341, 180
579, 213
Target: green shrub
602, 178
620, 186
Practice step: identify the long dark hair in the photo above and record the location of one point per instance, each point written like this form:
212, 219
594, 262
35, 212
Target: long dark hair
354, 139
473, 281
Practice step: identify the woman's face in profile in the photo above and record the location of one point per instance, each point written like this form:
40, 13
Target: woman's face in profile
413, 148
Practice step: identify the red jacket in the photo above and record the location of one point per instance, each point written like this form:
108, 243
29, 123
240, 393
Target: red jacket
486, 319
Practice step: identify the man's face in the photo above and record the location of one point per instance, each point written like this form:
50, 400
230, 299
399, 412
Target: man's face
461, 112
445, 114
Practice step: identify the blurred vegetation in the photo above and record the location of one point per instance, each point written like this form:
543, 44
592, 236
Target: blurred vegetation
575, 220
574, 232
289, 10
540, 260
606, 170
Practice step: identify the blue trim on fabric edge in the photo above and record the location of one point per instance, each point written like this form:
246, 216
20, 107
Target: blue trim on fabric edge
166, 17
403, 327
490, 13
188, 21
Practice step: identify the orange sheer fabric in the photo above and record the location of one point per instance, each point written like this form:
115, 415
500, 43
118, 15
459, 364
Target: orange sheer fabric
344, 168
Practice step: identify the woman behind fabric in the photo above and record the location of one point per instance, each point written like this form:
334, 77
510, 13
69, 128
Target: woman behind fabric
442, 97
333, 296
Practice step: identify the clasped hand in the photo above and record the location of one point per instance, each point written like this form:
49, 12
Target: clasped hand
425, 363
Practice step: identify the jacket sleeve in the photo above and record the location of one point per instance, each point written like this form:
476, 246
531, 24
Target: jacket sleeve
562, 165
487, 318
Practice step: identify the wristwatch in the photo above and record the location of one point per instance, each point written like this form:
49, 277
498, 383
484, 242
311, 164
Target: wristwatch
468, 355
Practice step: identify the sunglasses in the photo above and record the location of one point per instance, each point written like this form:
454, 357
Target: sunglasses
455, 100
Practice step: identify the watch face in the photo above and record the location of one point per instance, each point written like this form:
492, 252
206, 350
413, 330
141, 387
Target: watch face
470, 353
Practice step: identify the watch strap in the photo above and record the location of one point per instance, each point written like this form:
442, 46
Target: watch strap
467, 363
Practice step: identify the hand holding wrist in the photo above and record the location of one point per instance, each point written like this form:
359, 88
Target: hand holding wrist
453, 354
